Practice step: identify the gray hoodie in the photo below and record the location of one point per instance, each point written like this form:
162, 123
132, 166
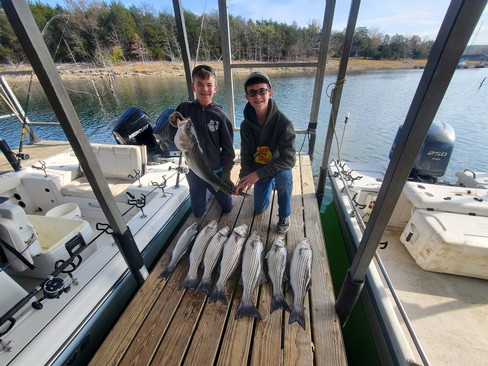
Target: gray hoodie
269, 149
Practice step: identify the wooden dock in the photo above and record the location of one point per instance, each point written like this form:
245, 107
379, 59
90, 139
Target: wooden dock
38, 151
164, 325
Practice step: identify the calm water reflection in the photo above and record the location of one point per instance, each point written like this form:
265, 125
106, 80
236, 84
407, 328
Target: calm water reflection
377, 102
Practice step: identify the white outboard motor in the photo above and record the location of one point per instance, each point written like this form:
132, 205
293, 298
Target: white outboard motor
435, 153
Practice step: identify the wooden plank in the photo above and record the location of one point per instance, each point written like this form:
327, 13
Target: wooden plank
326, 330
173, 347
125, 330
39, 151
268, 334
297, 342
233, 340
206, 340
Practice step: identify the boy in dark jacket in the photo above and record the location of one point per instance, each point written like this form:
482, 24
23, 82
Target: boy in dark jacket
215, 135
267, 149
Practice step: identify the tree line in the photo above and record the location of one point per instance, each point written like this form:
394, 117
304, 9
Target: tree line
104, 34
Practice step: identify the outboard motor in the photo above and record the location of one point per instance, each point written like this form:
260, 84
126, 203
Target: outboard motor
434, 155
166, 145
134, 127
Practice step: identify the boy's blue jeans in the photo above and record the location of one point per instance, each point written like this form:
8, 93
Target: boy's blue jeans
199, 197
283, 182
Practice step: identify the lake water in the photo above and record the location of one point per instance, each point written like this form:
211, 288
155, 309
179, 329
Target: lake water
377, 101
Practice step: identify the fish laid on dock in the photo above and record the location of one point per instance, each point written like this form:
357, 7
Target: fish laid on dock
252, 276
182, 246
300, 275
197, 253
212, 256
186, 141
276, 260
230, 260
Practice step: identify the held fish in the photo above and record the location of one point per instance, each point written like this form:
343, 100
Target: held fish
252, 276
300, 275
276, 259
181, 247
230, 260
212, 255
186, 141
197, 253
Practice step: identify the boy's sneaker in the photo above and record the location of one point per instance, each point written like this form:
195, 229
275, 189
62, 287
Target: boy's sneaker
283, 225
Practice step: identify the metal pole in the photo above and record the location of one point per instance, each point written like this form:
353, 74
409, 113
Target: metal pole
226, 53
336, 95
33, 44
183, 41
458, 25
319, 76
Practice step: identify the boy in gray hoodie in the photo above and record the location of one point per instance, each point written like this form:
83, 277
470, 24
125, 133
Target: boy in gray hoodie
267, 149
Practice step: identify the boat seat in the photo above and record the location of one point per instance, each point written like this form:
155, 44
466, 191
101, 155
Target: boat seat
119, 164
41, 240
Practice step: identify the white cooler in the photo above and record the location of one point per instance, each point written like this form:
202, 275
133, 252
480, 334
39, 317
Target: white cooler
448, 242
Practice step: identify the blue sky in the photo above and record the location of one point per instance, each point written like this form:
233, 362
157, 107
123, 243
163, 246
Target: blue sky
412, 17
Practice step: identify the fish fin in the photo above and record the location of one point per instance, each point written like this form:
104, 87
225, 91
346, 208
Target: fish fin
166, 274
218, 294
204, 286
247, 308
189, 283
262, 278
279, 302
298, 316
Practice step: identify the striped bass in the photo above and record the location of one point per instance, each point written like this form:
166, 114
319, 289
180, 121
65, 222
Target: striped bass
186, 141
212, 255
181, 247
276, 259
230, 260
300, 275
252, 276
197, 253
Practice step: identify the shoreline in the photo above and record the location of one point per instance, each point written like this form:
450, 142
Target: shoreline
175, 69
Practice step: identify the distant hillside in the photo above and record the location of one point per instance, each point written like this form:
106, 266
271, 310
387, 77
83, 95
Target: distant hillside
476, 49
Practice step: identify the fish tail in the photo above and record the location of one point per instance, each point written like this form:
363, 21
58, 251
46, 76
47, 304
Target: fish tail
278, 302
218, 294
166, 274
204, 286
189, 282
298, 316
247, 308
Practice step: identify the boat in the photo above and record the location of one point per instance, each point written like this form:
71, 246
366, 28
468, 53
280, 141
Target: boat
432, 265
64, 275
394, 339
418, 242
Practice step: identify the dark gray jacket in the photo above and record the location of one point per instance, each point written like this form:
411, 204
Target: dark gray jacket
214, 132
275, 140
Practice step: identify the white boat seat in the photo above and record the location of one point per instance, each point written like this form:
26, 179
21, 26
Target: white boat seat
119, 165
18, 232
41, 240
81, 188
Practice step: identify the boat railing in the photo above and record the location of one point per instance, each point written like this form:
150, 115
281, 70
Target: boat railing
385, 277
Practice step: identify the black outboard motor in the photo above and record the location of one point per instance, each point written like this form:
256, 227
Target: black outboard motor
435, 153
134, 127
166, 145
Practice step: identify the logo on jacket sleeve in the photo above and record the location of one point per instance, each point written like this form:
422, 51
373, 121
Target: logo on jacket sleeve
263, 155
213, 125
